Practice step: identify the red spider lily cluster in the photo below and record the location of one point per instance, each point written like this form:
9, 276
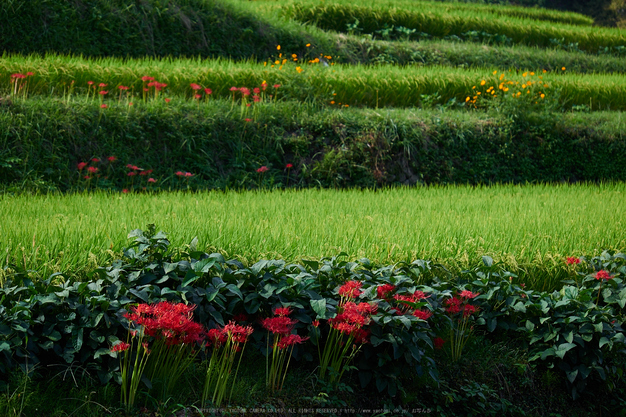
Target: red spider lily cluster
384, 291
262, 170
19, 80
172, 323
184, 174
603, 275
351, 289
572, 260
232, 332
352, 319
281, 326
459, 304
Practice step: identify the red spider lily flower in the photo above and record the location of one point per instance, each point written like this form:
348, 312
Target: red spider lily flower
130, 104
112, 158
125, 190
248, 120
103, 93
256, 90
291, 340
453, 305
384, 290
469, 309
188, 174
197, 96
217, 337
367, 308
159, 86
18, 76
245, 91
146, 89
468, 294
122, 87
572, 260
102, 85
180, 173
282, 325
167, 100
282, 311
132, 173
361, 336
90, 83
237, 333
241, 317
351, 289
87, 177
120, 347
439, 342
81, 165
264, 85
289, 166
422, 314
276, 85
411, 298
208, 91
103, 106
262, 169
151, 180
93, 170
315, 323
234, 88
170, 322
602, 274
256, 98
147, 78
95, 160
29, 73
195, 86
248, 104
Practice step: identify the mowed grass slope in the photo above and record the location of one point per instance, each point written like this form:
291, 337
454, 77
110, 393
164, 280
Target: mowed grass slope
529, 228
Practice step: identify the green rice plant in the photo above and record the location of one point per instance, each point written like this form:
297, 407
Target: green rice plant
531, 229
368, 86
474, 9
437, 23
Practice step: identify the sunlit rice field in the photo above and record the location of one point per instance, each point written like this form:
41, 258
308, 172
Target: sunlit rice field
529, 228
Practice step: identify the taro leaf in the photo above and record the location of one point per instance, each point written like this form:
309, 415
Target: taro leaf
546, 353
169, 267
604, 341
47, 345
302, 317
491, 324
488, 261
319, 306
211, 292
217, 316
77, 339
530, 326
569, 337
563, 348
314, 265
189, 279
252, 306
142, 295
519, 307
217, 282
403, 320
235, 290
268, 290
571, 375
365, 377
55, 336
101, 351
5, 346
381, 384
204, 265
257, 267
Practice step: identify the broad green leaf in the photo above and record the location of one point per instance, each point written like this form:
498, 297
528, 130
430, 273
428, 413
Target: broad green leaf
530, 326
319, 306
604, 341
563, 348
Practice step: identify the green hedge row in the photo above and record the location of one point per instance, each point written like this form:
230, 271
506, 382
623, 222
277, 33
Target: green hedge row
42, 141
